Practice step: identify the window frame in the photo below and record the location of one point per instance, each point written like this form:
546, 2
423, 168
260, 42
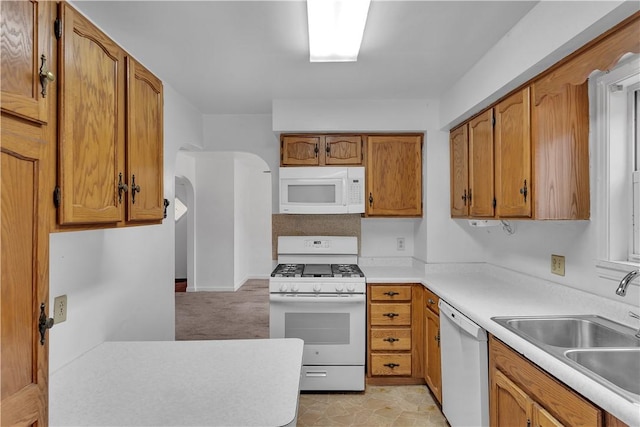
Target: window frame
608, 264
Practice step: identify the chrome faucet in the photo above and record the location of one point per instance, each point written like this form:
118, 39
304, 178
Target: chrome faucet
622, 288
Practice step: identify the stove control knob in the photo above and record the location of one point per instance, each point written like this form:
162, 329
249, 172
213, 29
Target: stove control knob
339, 287
283, 287
351, 287
295, 287
316, 287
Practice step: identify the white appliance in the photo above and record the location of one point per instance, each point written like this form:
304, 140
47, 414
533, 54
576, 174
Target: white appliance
465, 369
318, 293
322, 190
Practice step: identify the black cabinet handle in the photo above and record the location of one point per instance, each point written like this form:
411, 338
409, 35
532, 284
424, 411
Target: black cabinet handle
524, 191
391, 365
392, 293
391, 315
391, 339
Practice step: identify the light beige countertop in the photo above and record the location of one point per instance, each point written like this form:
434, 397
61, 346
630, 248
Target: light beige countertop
179, 383
482, 291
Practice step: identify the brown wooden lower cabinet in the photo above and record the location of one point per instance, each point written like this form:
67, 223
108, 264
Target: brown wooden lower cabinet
394, 334
521, 394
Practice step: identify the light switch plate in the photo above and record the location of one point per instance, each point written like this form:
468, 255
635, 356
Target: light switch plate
60, 309
557, 264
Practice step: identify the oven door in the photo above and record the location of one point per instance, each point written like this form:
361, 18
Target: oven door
331, 325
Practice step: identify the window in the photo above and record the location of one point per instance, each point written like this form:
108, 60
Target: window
616, 136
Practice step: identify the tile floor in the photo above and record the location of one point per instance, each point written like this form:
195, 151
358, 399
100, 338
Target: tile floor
398, 406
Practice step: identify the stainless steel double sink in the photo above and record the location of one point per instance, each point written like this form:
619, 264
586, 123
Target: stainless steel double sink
602, 349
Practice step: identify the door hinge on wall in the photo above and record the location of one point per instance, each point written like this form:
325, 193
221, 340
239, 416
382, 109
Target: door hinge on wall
56, 197
57, 28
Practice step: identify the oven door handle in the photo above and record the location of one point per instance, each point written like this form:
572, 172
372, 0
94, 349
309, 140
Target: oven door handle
314, 299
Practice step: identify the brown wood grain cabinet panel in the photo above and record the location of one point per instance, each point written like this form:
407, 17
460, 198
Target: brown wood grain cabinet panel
394, 175
459, 152
91, 115
432, 364
391, 339
343, 149
398, 339
25, 163
559, 401
481, 190
513, 156
560, 134
144, 144
300, 150
22, 43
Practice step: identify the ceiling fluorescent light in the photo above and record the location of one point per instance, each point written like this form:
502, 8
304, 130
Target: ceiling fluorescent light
335, 29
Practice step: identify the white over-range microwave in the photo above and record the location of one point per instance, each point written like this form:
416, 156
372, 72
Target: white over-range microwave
321, 190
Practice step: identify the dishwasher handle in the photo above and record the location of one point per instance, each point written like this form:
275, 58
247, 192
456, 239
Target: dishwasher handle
462, 321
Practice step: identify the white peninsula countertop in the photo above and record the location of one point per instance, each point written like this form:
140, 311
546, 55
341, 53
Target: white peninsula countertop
179, 383
483, 291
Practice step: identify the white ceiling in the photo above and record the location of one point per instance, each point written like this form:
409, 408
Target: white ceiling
234, 57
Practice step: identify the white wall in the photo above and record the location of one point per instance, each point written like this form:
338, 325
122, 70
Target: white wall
120, 282
548, 33
181, 232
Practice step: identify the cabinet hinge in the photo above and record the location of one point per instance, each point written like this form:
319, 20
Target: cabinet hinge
57, 28
56, 197
494, 202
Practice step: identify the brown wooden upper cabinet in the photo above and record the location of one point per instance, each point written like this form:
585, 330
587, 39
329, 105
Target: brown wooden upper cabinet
394, 175
541, 140
91, 140
321, 150
25, 56
490, 162
144, 144
110, 130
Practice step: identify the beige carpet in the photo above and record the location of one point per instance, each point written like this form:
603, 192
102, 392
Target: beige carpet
242, 314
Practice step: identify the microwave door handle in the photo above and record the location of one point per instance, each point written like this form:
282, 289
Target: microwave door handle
345, 191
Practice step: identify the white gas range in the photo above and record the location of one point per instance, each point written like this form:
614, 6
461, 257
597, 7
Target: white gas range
318, 293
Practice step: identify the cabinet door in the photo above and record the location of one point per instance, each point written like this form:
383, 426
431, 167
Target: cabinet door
459, 152
22, 45
144, 144
394, 175
343, 150
433, 370
300, 150
513, 156
25, 259
91, 141
542, 418
510, 406
560, 137
481, 165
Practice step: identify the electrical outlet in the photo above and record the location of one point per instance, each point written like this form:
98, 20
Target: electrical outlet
400, 243
557, 265
60, 309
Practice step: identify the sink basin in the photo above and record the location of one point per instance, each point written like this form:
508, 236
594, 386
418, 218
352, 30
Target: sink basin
621, 367
572, 332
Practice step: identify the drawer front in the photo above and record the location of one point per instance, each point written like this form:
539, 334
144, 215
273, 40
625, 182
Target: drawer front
391, 339
390, 293
391, 364
391, 314
431, 301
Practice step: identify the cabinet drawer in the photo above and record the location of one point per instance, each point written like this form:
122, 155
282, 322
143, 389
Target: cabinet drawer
431, 301
391, 364
390, 293
391, 339
391, 314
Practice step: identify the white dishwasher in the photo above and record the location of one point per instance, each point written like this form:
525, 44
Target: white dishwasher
465, 383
